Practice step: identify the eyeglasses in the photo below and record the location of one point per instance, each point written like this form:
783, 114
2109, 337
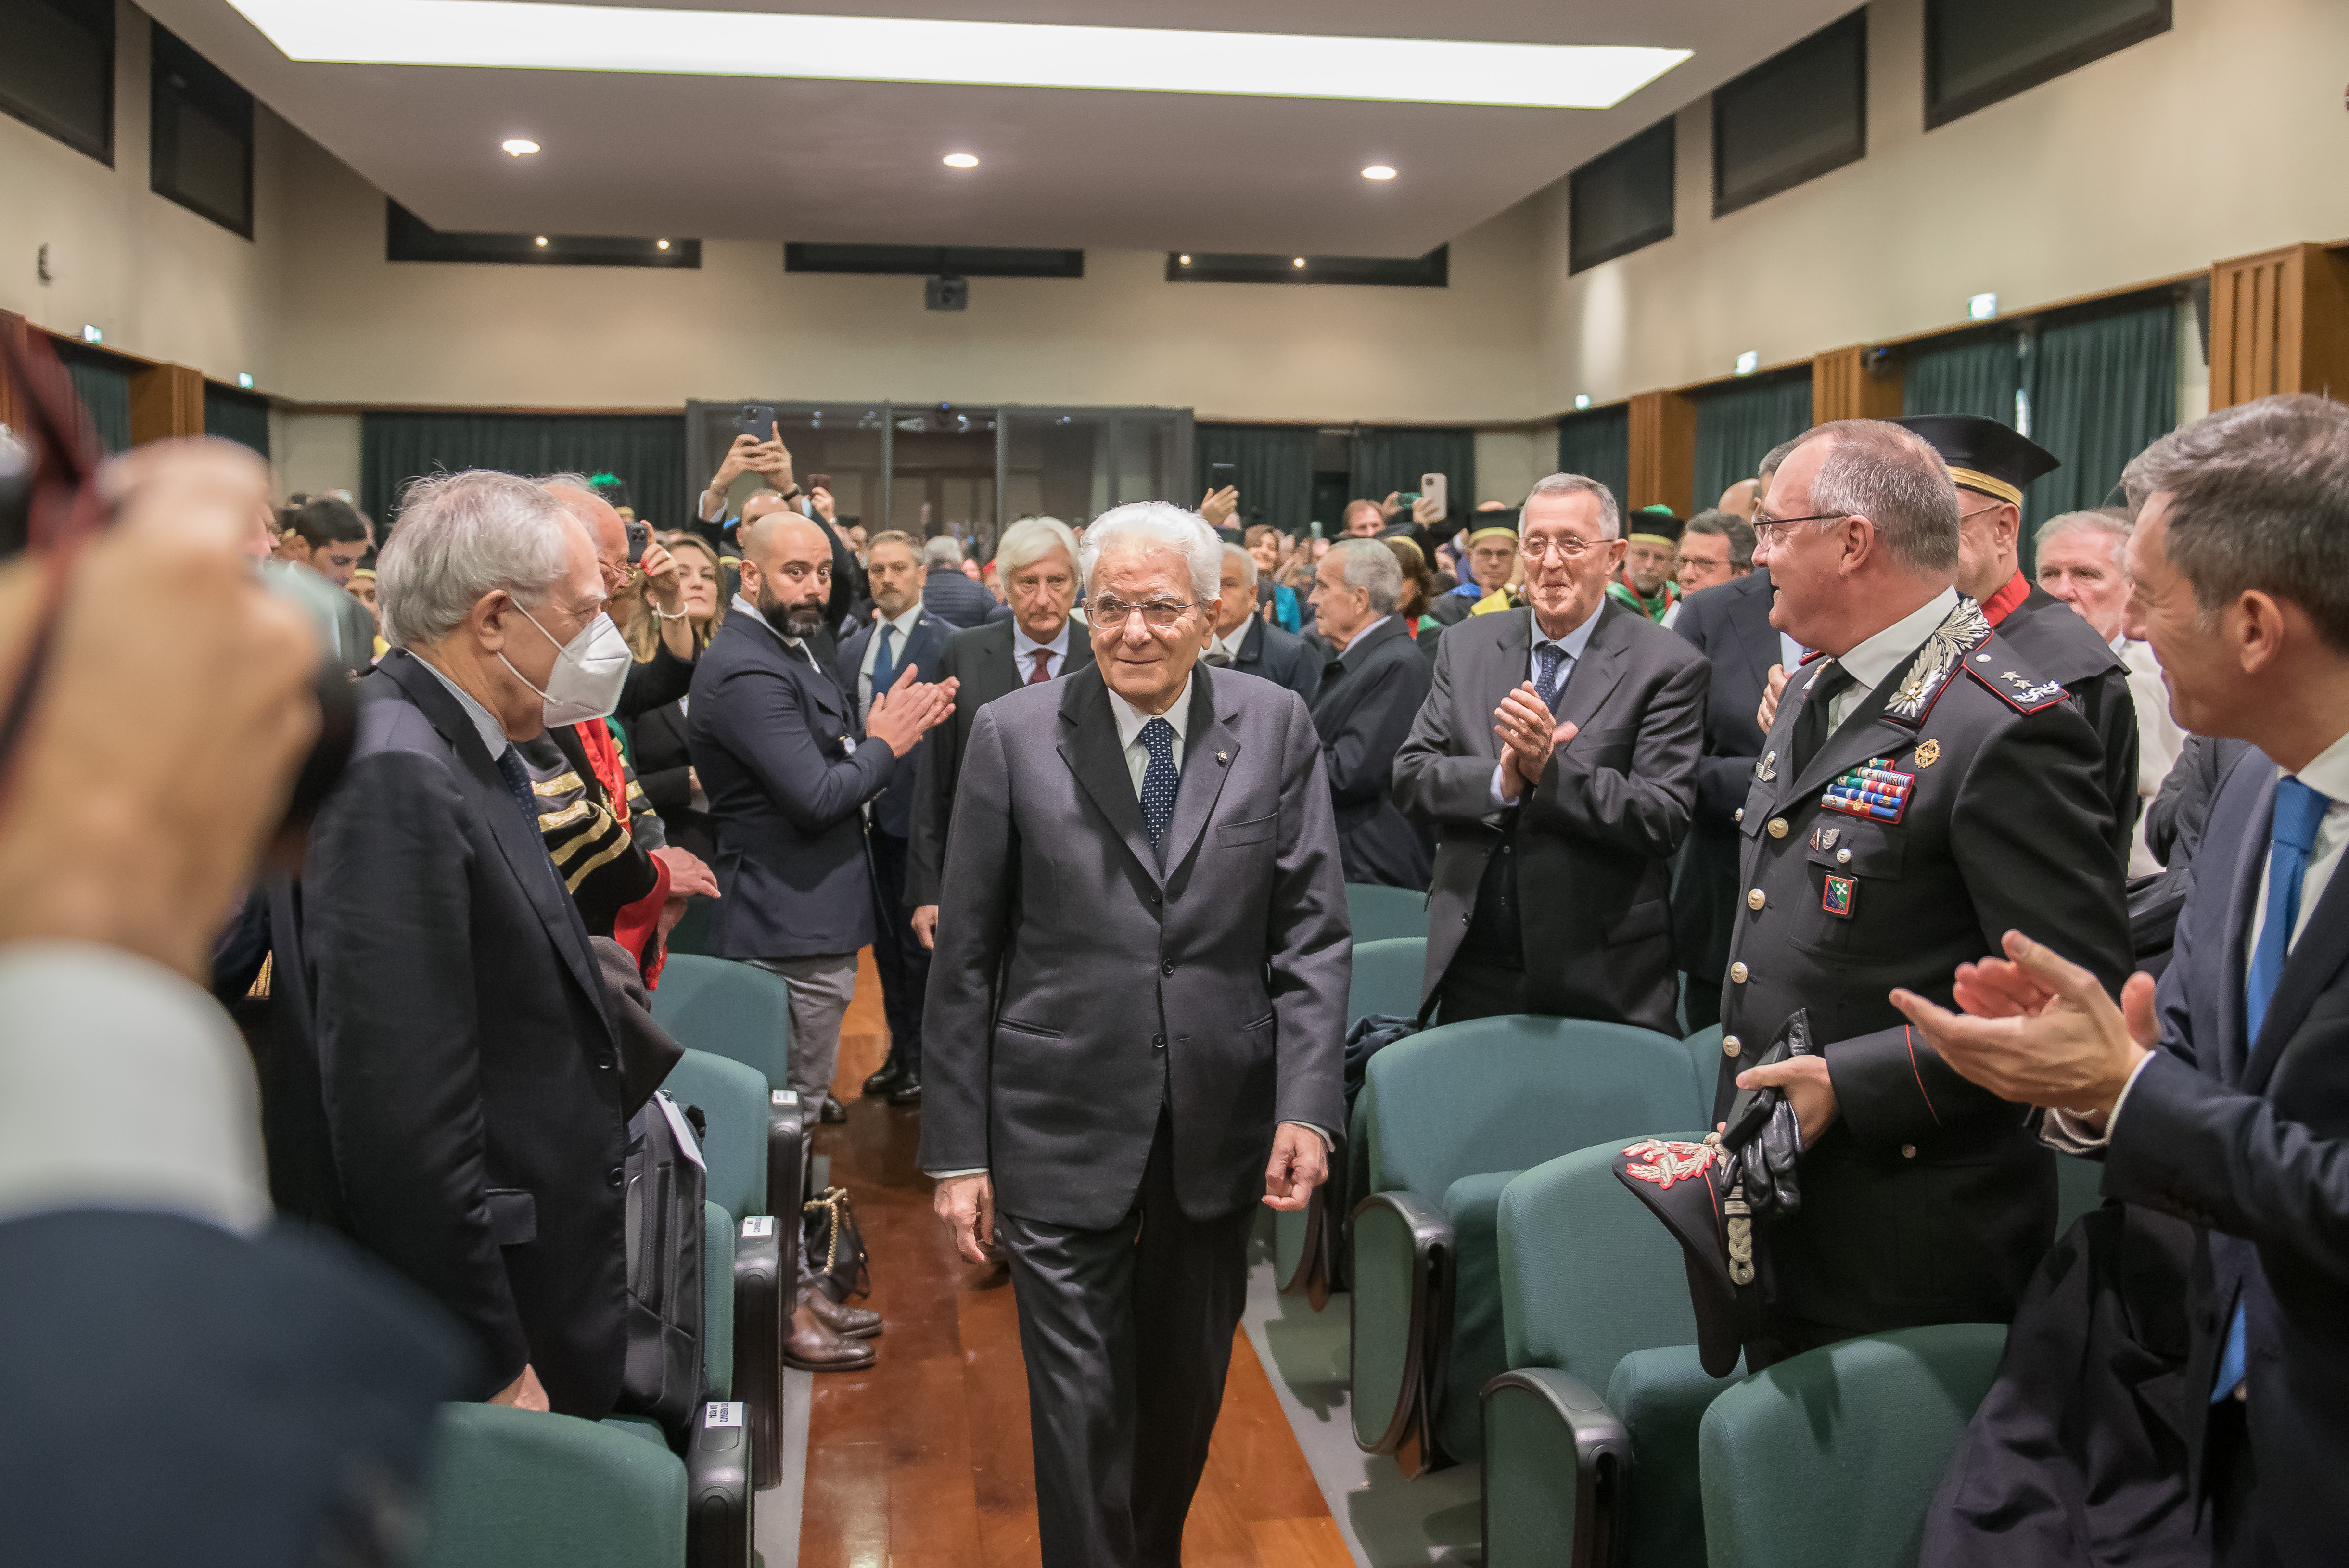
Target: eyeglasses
1767, 531
1158, 615
1682, 563
1564, 549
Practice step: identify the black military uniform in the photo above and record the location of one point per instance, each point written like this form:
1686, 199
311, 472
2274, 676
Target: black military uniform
1992, 461
1966, 800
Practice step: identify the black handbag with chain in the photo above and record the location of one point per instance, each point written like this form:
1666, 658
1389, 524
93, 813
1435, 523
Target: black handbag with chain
833, 1256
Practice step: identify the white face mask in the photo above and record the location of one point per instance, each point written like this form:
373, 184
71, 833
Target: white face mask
589, 671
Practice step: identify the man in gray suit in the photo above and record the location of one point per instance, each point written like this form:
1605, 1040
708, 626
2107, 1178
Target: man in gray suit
1557, 754
1134, 1026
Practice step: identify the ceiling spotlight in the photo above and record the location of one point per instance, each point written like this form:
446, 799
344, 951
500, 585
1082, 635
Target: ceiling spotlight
961, 160
1378, 171
1582, 400
1185, 260
662, 244
540, 240
1296, 261
520, 146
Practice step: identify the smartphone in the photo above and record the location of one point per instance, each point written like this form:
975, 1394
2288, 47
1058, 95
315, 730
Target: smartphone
1223, 476
641, 534
1433, 487
1317, 529
757, 421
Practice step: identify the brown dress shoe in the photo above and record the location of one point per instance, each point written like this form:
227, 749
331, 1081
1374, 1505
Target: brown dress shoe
812, 1347
848, 1322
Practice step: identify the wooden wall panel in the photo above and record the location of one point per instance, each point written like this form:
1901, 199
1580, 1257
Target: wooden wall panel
2280, 323
1663, 452
12, 327
1844, 385
165, 401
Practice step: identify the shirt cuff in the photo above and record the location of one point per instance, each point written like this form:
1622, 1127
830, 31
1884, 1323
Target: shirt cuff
2070, 1134
1328, 1142
950, 1175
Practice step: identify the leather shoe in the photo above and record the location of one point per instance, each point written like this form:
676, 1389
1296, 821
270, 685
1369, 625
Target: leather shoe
892, 1074
848, 1322
908, 1091
812, 1346
833, 1111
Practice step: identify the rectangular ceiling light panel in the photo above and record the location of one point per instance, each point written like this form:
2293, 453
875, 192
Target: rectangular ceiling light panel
505, 33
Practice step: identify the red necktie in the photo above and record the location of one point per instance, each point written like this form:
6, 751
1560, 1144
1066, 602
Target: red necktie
1043, 670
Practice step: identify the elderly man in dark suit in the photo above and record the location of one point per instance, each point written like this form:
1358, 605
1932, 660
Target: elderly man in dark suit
470, 1070
1134, 1026
788, 769
1036, 562
1557, 754
2224, 1096
949, 592
903, 636
1246, 641
1371, 694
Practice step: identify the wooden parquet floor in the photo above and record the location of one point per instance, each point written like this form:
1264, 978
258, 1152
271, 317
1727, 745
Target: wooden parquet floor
922, 1461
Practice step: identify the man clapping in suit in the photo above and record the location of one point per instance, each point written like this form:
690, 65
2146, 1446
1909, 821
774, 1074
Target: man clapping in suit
1134, 1026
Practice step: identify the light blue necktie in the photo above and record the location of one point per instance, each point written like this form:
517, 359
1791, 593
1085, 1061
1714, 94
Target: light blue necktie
1551, 679
1160, 778
884, 663
2291, 839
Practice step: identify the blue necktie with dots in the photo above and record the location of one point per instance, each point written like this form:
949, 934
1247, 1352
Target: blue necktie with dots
1551, 679
1160, 778
517, 778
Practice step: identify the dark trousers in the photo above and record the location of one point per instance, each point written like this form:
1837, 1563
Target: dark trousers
898, 953
2237, 1538
1127, 1334
1474, 989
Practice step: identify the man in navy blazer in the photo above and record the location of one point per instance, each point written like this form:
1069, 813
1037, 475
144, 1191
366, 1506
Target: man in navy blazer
789, 770
903, 636
2223, 1098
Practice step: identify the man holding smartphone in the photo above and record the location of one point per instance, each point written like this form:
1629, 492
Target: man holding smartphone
768, 456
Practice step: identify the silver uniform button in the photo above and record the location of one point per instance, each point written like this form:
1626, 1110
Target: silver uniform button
1842, 857
1731, 1045
1738, 815
1908, 1151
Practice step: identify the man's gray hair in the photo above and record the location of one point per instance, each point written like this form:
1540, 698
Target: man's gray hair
1368, 564
1248, 565
945, 550
1729, 526
1157, 525
2259, 500
1893, 477
2116, 530
1030, 540
461, 536
1610, 514
1776, 455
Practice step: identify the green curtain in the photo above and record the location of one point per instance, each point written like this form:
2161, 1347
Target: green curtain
239, 418
105, 390
648, 450
1980, 376
1736, 428
1598, 445
2102, 390
1276, 470
1389, 458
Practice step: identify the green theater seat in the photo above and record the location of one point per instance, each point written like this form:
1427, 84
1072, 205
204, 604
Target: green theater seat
521, 1488
1449, 1115
728, 1009
1375, 913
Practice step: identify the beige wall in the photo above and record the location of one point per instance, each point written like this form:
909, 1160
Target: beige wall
157, 279
2222, 137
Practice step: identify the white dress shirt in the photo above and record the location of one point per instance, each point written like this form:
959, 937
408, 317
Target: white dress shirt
1230, 646
1572, 645
1790, 653
1024, 649
492, 732
123, 1086
2160, 739
904, 628
2328, 774
1874, 659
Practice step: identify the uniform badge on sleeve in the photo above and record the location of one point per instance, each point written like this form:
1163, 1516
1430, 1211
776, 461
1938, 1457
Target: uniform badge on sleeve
1837, 899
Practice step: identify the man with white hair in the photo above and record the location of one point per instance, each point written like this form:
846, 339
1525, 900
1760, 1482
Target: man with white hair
1134, 1026
1036, 562
471, 1075
947, 592
1245, 641
1371, 694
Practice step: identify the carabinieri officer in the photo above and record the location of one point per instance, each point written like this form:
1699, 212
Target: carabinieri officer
1921, 790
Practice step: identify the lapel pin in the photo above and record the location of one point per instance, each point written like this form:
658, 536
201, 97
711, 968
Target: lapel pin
1929, 753
1223, 756
1767, 769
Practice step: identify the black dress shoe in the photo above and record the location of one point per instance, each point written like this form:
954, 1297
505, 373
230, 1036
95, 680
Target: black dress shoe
891, 1075
833, 1111
908, 1091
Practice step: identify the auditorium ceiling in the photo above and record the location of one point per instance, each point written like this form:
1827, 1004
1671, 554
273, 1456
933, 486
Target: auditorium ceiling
691, 151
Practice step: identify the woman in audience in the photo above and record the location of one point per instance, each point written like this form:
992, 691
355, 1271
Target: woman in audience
1267, 546
656, 736
1418, 589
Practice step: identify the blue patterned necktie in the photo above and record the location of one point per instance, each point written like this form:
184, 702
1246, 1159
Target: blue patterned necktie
1160, 778
884, 662
1551, 679
2291, 839
517, 778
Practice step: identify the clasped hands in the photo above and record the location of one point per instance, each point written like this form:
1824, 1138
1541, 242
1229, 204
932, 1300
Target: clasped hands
909, 709
1529, 734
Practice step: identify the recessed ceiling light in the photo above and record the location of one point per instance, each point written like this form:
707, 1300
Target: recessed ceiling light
503, 34
961, 160
662, 244
1296, 261
540, 240
520, 146
1378, 171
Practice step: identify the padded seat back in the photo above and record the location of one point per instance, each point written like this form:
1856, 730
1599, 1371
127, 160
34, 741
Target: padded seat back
1832, 1458
2079, 1189
734, 1101
1377, 914
1704, 1055
523, 1488
1387, 976
733, 1010
1508, 1093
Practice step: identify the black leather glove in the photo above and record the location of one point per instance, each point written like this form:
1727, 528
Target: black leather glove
1763, 1138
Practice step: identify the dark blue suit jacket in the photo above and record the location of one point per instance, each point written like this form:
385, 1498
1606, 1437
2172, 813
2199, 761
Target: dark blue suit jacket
786, 767
2250, 1138
956, 599
1729, 625
893, 813
468, 1069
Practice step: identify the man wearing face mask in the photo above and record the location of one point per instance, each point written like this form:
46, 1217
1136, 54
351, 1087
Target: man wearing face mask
788, 770
469, 1069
